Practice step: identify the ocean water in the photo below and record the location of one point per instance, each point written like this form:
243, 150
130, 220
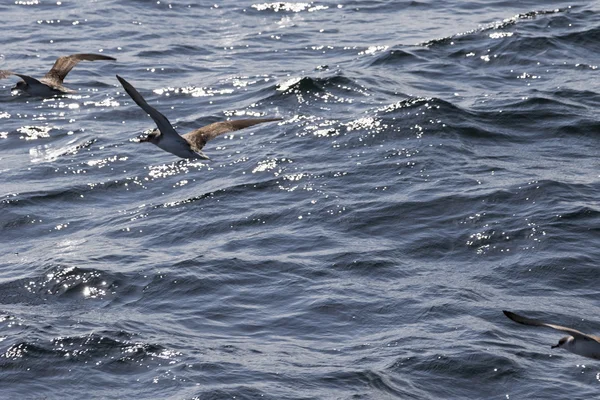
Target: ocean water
436, 163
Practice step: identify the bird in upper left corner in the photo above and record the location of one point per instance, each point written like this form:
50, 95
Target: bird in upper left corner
52, 83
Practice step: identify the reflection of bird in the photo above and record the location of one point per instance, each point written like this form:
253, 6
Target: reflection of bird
190, 144
52, 83
578, 342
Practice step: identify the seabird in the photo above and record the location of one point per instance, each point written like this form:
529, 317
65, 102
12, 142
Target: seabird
52, 83
190, 144
578, 342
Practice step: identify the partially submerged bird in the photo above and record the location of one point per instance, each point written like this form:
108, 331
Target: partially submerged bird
52, 83
189, 145
578, 342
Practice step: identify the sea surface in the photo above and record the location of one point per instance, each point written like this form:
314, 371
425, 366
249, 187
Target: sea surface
436, 163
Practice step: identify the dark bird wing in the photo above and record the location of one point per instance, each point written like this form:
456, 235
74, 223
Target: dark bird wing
534, 322
28, 79
65, 64
200, 136
160, 120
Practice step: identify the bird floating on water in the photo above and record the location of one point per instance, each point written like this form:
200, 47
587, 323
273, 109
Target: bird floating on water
190, 144
578, 342
52, 83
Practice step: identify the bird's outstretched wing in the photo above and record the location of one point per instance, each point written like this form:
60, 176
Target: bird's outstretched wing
160, 120
535, 322
5, 73
200, 136
65, 64
28, 79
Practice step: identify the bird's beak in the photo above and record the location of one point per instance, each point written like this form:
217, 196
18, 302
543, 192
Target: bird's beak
553, 347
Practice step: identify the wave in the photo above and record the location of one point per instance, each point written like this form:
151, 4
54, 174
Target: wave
309, 84
396, 57
498, 25
113, 350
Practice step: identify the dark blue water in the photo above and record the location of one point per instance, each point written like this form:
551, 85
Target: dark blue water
437, 162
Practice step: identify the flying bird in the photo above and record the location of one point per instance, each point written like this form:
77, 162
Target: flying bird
189, 145
52, 83
577, 342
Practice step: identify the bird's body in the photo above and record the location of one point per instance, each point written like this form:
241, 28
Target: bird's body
52, 83
578, 342
190, 144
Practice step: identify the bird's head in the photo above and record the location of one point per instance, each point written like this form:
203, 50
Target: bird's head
21, 85
567, 341
152, 136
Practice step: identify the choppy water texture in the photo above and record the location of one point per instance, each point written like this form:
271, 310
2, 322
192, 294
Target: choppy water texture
437, 162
